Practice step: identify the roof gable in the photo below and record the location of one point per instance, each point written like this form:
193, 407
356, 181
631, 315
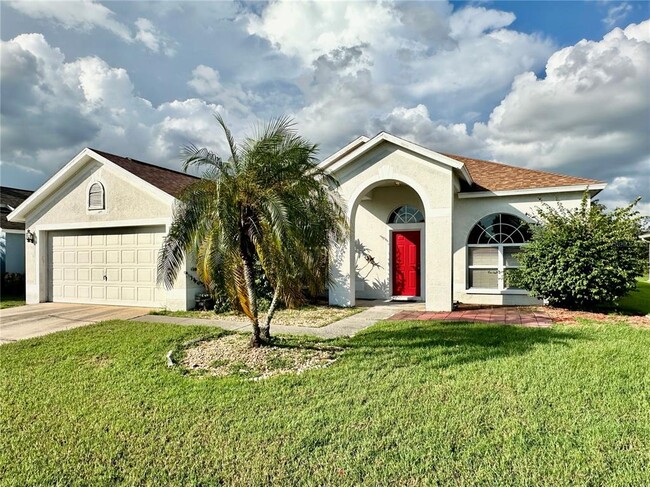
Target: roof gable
481, 178
164, 184
362, 145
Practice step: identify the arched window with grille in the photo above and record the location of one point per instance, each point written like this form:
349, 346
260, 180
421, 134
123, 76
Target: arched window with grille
406, 214
96, 197
492, 248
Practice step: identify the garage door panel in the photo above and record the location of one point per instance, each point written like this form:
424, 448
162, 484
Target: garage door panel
112, 292
112, 239
145, 256
112, 256
128, 275
128, 256
128, 293
94, 266
97, 292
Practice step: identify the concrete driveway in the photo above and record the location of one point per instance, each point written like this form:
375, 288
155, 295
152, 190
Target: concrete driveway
44, 318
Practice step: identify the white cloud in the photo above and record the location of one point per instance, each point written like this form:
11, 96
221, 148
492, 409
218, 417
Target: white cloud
87, 102
475, 21
87, 15
151, 37
617, 13
206, 82
362, 59
590, 110
84, 15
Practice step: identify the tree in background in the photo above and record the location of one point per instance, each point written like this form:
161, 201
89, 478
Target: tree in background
581, 258
266, 208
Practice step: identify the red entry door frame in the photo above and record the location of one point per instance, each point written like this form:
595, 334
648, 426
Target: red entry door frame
406, 262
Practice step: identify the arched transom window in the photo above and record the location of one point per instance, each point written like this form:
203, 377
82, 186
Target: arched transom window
492, 249
406, 214
96, 199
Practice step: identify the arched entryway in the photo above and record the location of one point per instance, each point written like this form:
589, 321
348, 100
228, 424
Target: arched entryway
385, 257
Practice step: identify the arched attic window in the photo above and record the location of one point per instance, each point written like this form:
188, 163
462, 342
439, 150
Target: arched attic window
492, 248
406, 214
96, 197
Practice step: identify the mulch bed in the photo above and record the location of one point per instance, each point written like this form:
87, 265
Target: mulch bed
570, 317
233, 355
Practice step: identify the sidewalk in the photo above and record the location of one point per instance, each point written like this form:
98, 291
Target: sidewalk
376, 312
343, 328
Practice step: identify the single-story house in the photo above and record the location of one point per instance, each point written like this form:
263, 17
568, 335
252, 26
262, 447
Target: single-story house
12, 234
423, 226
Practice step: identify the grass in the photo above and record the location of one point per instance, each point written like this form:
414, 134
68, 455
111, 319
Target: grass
11, 301
406, 403
637, 302
311, 315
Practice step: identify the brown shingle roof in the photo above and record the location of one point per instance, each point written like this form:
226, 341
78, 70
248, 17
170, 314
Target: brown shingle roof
170, 181
495, 176
10, 199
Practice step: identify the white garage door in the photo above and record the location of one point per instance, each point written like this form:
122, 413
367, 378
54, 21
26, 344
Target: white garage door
105, 266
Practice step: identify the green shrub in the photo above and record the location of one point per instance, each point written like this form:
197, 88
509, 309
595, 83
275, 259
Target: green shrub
581, 258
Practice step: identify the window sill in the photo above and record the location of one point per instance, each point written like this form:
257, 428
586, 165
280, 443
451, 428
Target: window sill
496, 291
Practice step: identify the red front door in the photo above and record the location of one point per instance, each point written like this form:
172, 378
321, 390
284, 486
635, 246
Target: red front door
406, 263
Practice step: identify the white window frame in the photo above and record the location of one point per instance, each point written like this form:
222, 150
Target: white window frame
500, 269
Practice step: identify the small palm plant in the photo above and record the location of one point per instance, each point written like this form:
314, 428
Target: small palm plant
267, 203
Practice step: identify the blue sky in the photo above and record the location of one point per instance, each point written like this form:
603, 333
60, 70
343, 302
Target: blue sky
507, 81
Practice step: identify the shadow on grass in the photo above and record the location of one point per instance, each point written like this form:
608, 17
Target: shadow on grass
452, 343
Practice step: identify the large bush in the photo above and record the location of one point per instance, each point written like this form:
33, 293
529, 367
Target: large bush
583, 257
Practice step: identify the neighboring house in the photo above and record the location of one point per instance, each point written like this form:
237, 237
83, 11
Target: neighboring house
423, 225
12, 234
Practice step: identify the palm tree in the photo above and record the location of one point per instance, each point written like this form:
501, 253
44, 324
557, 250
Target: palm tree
266, 206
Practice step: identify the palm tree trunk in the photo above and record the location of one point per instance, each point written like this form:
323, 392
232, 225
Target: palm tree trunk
266, 329
249, 278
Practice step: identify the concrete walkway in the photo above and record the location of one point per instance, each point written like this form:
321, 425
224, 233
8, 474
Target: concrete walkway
377, 311
343, 328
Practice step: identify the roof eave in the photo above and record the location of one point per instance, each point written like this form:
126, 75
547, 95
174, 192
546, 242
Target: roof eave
595, 188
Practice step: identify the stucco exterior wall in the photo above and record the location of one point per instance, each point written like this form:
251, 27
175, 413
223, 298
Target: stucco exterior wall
126, 203
434, 184
468, 211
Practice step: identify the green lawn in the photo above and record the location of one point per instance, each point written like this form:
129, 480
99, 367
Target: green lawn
407, 403
9, 301
637, 302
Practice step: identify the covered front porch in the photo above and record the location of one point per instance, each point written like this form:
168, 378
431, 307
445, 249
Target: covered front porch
398, 249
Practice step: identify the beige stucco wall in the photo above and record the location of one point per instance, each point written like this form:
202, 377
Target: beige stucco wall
433, 182
127, 204
468, 211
